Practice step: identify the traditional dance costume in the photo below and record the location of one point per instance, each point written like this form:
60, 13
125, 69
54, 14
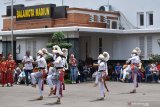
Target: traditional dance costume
3, 70
10, 69
38, 76
135, 62
55, 74
102, 73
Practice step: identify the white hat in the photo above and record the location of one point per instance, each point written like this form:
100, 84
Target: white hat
56, 49
44, 50
106, 55
137, 51
40, 52
65, 52
134, 51
101, 57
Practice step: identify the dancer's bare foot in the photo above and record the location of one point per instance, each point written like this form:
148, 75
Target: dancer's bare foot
134, 91
51, 92
34, 85
122, 80
58, 101
101, 98
40, 98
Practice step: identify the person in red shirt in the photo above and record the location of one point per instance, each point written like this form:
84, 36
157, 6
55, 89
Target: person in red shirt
158, 67
3, 69
10, 69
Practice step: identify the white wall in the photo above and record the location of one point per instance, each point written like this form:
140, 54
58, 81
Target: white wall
118, 46
31, 44
155, 45
128, 7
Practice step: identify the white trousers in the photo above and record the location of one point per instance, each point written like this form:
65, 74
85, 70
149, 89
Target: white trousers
37, 76
99, 81
52, 82
125, 73
135, 81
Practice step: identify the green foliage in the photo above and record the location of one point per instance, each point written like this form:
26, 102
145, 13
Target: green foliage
68, 81
58, 39
48, 58
65, 45
155, 58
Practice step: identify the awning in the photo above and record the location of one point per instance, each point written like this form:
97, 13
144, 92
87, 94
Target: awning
77, 28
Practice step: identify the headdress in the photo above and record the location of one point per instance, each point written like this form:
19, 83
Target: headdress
106, 56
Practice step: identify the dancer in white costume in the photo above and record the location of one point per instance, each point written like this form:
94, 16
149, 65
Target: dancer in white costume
126, 71
101, 74
135, 66
65, 67
38, 76
54, 73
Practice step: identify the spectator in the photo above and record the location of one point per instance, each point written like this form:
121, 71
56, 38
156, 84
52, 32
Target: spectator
28, 67
118, 71
158, 67
73, 68
155, 73
148, 73
16, 74
21, 77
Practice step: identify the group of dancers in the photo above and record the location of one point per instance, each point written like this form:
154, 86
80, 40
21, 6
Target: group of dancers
55, 74
132, 67
6, 69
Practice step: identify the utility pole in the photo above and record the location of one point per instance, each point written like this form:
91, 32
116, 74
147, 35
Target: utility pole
12, 37
62, 2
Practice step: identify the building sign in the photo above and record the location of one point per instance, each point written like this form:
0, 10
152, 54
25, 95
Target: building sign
35, 12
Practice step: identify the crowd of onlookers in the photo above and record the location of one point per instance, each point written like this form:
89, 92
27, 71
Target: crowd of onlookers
82, 71
148, 73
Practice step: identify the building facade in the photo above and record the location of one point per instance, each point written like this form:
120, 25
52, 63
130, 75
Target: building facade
92, 27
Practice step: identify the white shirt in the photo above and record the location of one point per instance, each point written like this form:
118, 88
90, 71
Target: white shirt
58, 62
102, 66
134, 59
41, 62
64, 61
65, 64
28, 66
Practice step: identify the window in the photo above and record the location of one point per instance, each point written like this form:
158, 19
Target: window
114, 24
108, 24
150, 18
95, 18
91, 19
102, 18
140, 19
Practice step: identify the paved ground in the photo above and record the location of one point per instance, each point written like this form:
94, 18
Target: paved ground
83, 95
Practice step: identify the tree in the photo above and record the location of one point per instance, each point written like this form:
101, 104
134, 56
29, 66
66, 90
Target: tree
58, 39
154, 58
